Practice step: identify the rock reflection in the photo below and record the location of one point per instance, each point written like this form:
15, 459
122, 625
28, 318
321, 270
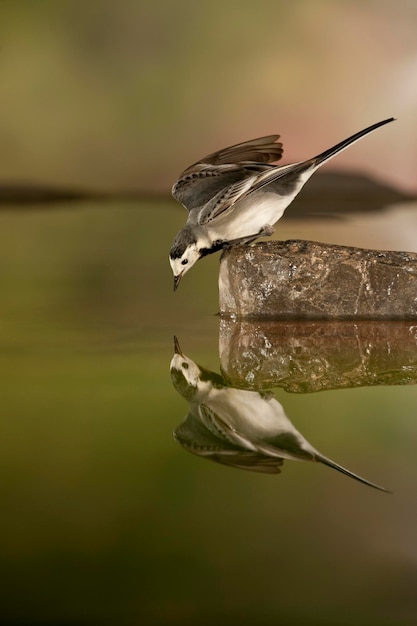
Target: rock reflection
238, 427
313, 356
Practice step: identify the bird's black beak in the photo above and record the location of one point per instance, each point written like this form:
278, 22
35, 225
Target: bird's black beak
177, 348
177, 280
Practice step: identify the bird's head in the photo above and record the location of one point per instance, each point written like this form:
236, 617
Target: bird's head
184, 253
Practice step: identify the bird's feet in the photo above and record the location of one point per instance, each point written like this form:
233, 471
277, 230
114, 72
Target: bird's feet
266, 231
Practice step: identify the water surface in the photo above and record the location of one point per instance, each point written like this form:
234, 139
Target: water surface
107, 519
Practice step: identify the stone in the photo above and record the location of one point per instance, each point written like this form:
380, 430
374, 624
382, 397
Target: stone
309, 280
306, 356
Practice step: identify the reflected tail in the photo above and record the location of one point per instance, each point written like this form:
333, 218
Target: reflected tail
343, 470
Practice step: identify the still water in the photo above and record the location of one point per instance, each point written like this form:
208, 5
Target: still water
108, 518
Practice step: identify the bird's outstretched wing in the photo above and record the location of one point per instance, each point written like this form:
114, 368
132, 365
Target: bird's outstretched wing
225, 199
261, 150
203, 180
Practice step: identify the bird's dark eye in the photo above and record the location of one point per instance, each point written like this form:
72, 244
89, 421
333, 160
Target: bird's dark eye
184, 262
185, 365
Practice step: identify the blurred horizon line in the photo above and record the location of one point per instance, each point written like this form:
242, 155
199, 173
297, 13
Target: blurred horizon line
327, 194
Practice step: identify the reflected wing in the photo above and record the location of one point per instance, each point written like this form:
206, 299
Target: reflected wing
215, 173
193, 435
219, 425
251, 461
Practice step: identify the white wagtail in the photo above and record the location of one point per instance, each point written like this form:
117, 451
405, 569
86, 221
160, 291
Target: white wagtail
235, 195
237, 427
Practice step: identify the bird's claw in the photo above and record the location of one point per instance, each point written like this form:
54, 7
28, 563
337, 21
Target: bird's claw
266, 231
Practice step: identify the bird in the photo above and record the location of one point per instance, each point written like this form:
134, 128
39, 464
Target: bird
241, 428
236, 195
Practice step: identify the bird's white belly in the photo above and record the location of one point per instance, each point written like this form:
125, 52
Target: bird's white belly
252, 215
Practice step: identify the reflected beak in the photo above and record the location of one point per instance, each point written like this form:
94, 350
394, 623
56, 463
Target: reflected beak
177, 280
177, 348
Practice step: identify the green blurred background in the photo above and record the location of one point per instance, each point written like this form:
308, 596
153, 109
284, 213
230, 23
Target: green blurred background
104, 518
126, 94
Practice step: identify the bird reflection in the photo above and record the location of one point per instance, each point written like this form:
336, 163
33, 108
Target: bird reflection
237, 427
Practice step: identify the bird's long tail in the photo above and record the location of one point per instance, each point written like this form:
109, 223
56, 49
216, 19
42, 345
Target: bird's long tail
304, 169
343, 470
339, 147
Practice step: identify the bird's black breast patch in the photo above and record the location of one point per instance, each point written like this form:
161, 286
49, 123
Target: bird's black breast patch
215, 247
